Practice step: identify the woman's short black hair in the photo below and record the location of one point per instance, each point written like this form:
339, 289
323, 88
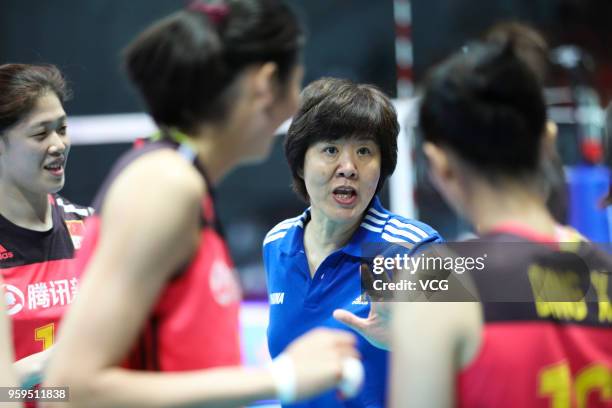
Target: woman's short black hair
332, 109
22, 84
184, 65
486, 105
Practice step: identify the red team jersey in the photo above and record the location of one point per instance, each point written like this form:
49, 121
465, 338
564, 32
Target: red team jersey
39, 282
194, 324
540, 354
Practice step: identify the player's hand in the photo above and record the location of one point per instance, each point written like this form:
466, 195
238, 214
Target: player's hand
374, 328
318, 358
30, 369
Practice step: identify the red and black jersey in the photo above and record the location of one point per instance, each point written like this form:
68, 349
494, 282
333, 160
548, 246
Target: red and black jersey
39, 282
547, 334
194, 324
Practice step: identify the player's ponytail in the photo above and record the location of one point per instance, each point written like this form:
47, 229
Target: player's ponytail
185, 64
487, 105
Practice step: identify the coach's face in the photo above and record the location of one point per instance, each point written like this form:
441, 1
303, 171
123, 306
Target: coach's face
341, 177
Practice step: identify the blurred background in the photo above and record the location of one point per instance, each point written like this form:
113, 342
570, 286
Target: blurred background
385, 42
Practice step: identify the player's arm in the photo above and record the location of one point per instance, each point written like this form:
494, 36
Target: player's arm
431, 341
8, 377
146, 235
422, 365
433, 335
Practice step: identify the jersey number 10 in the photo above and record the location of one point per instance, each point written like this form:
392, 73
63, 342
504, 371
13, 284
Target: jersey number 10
556, 383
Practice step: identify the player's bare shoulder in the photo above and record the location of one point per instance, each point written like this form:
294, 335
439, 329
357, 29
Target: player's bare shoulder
171, 171
163, 174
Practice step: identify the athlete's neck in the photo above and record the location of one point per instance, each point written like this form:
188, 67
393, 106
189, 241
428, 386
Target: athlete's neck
489, 207
214, 151
25, 209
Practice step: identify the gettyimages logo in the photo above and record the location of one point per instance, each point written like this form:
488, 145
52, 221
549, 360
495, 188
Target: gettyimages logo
562, 283
423, 262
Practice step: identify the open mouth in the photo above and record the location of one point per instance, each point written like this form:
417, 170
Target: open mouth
56, 168
345, 195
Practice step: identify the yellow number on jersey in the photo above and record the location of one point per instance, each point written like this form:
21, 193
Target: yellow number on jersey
45, 334
556, 383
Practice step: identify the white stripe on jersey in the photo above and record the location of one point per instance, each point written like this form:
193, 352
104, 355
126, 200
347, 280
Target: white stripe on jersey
290, 220
274, 237
281, 229
410, 227
406, 234
389, 238
70, 208
381, 215
285, 225
374, 220
370, 227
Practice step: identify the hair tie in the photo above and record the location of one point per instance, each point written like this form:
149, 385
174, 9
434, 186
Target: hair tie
217, 13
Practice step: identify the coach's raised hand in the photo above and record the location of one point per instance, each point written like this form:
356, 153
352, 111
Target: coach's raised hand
375, 327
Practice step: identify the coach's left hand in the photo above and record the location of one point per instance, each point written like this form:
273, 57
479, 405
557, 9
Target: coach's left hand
374, 328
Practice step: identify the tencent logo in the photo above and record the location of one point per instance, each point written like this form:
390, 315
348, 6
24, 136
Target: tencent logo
14, 299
